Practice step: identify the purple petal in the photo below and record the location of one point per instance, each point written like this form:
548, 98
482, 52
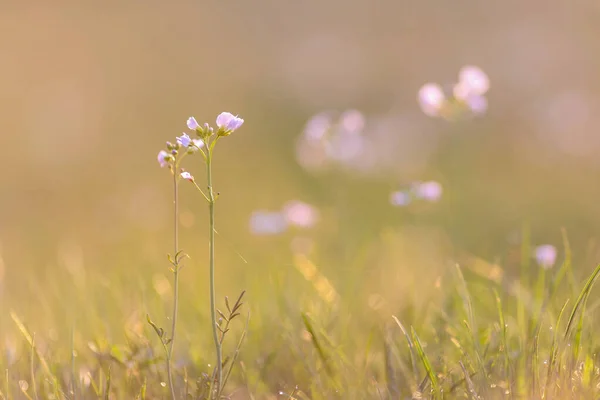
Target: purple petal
184, 140
162, 158
224, 119
234, 124
192, 123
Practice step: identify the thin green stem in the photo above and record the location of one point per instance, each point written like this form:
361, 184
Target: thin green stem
201, 191
211, 252
74, 385
175, 279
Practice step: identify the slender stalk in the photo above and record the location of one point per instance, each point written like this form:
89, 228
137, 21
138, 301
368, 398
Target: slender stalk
175, 279
211, 251
74, 385
31, 367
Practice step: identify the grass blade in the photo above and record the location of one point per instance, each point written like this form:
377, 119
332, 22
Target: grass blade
554, 350
435, 387
29, 340
317, 344
504, 338
468, 306
581, 300
410, 346
470, 385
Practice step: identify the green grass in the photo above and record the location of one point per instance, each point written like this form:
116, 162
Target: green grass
477, 332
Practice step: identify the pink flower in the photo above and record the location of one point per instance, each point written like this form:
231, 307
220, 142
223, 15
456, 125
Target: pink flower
184, 140
545, 256
228, 122
431, 99
192, 124
430, 191
300, 214
400, 198
187, 176
267, 223
474, 81
163, 158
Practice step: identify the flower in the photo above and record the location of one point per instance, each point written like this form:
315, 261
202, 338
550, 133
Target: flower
317, 127
228, 122
400, 198
184, 140
473, 80
477, 104
352, 121
187, 176
163, 158
264, 222
429, 191
431, 99
545, 255
195, 145
300, 214
192, 124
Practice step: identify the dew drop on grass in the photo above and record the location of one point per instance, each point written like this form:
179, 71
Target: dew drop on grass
163, 384
23, 385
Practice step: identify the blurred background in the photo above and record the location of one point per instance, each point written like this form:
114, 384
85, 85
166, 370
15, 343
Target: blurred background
90, 92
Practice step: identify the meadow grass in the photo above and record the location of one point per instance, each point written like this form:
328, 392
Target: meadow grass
488, 333
478, 330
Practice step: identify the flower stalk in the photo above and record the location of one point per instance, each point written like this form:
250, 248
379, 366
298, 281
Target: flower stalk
175, 283
208, 138
211, 263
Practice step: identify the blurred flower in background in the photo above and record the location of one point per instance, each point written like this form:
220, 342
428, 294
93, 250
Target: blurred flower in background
430, 191
293, 214
467, 97
545, 256
351, 142
264, 222
300, 214
472, 81
400, 198
329, 139
431, 98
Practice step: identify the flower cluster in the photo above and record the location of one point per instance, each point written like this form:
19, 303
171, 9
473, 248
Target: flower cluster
332, 139
468, 95
293, 214
184, 144
430, 191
